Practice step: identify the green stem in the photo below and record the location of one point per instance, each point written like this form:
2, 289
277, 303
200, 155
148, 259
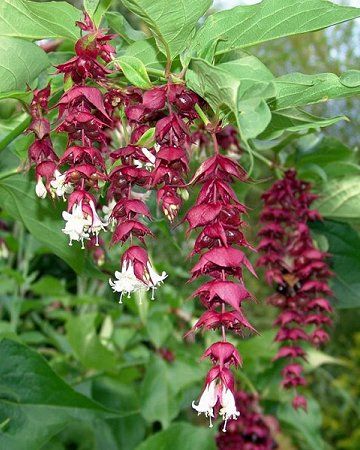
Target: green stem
9, 173
14, 133
156, 72
202, 115
247, 381
262, 158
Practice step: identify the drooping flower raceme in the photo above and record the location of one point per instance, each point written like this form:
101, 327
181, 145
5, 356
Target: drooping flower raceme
252, 430
83, 115
218, 213
88, 113
299, 272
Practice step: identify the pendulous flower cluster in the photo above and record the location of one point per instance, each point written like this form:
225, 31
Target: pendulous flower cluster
168, 111
88, 113
218, 213
299, 272
252, 430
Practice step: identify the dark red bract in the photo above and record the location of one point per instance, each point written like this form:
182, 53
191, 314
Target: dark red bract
299, 272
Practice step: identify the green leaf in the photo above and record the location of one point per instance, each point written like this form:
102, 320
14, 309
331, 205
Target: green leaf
90, 6
351, 78
123, 433
82, 336
20, 63
17, 95
339, 199
180, 436
297, 89
147, 52
34, 402
172, 23
295, 120
42, 218
344, 247
147, 139
31, 20
121, 26
159, 328
135, 71
103, 6
323, 151
240, 87
243, 26
157, 393
49, 286
305, 425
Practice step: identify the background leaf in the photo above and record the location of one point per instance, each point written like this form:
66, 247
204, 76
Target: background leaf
240, 87
20, 63
339, 199
135, 71
82, 336
297, 89
34, 401
157, 394
305, 424
172, 23
243, 26
90, 6
344, 248
180, 436
31, 20
295, 120
43, 220
121, 26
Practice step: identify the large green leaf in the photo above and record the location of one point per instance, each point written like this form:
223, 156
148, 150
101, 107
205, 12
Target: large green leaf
305, 425
339, 199
157, 393
180, 436
86, 344
147, 52
171, 22
123, 433
135, 71
20, 63
43, 220
121, 26
344, 247
91, 6
243, 26
240, 87
34, 402
295, 120
31, 20
297, 89
323, 151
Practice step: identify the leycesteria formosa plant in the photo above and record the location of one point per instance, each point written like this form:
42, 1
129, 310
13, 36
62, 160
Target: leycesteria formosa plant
139, 123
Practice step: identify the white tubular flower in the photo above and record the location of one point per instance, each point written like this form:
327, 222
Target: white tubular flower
60, 186
40, 188
4, 252
207, 401
126, 281
147, 165
228, 410
96, 225
107, 210
154, 279
77, 226
149, 156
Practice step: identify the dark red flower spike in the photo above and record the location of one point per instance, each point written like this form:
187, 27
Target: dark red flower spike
299, 272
